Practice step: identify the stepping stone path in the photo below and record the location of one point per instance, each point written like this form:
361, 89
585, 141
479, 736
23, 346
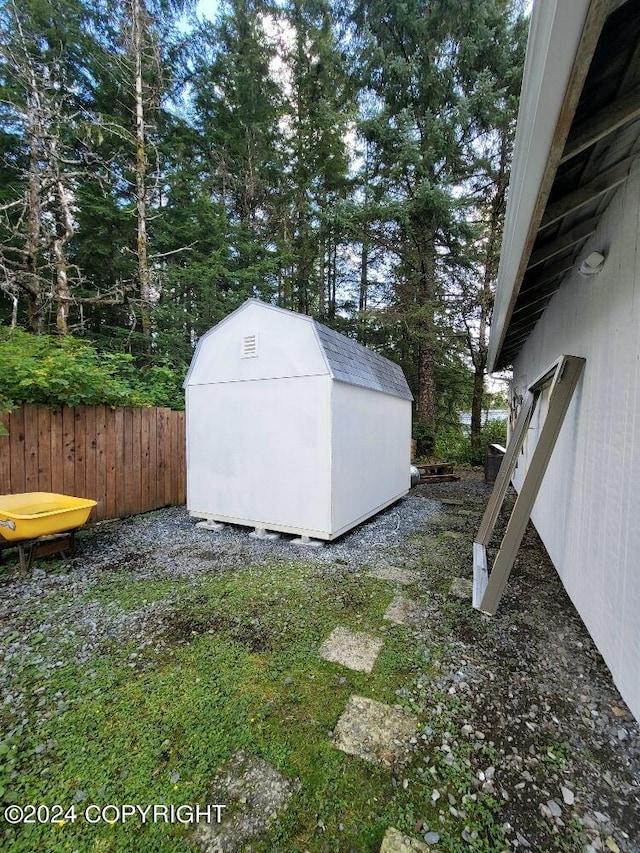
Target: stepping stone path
392, 573
403, 611
462, 588
353, 649
368, 729
395, 842
375, 732
252, 792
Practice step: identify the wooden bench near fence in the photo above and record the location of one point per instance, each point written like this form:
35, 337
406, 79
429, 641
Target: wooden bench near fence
129, 460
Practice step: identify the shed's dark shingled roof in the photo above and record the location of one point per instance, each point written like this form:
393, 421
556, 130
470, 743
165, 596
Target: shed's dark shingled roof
351, 362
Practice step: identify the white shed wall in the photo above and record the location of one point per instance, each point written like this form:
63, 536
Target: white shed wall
588, 508
371, 453
258, 451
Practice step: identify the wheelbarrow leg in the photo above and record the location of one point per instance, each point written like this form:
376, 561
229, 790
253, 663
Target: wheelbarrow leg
24, 565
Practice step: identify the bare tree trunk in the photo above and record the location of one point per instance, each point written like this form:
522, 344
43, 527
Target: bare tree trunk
35, 130
64, 231
31, 278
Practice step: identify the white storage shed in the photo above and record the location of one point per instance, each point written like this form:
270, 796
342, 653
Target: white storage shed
293, 427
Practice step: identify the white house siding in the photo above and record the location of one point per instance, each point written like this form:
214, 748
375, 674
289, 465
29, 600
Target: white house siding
260, 457
588, 508
370, 462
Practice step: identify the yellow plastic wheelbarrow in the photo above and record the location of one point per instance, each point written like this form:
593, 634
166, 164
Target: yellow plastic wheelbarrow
33, 517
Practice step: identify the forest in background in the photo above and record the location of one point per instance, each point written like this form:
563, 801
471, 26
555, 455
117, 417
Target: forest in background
345, 160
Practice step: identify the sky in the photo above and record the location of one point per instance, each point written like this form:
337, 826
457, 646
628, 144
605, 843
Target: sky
207, 9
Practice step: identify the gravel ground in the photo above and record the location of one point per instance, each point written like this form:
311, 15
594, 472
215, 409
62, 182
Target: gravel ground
530, 681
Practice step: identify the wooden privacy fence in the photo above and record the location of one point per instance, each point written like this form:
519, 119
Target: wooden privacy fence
129, 460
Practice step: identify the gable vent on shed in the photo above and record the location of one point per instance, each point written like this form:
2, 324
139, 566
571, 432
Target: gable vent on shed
250, 346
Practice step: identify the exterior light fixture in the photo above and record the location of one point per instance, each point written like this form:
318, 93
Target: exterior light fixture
592, 264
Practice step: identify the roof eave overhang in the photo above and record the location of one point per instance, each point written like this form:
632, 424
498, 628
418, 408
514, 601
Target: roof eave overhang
562, 40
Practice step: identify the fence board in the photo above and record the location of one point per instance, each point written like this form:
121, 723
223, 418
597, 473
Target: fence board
80, 456
182, 461
31, 448
17, 453
153, 458
173, 469
120, 470
130, 461
43, 419
144, 459
101, 464
69, 452
90, 454
5, 456
109, 420
136, 468
161, 457
57, 452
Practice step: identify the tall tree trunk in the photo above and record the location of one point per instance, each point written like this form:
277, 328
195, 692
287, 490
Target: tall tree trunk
426, 402
492, 254
364, 276
144, 278
363, 291
476, 412
333, 278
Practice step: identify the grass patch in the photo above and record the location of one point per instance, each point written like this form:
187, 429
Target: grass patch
130, 594
236, 667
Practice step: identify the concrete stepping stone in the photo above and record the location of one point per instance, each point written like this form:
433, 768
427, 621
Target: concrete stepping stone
395, 842
375, 732
353, 649
403, 611
395, 574
252, 792
462, 588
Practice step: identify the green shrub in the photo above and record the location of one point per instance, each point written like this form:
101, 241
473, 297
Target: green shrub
54, 371
425, 438
494, 432
453, 443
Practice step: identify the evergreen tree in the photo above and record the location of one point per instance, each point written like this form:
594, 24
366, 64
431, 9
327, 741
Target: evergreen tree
221, 170
46, 113
426, 67
320, 109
